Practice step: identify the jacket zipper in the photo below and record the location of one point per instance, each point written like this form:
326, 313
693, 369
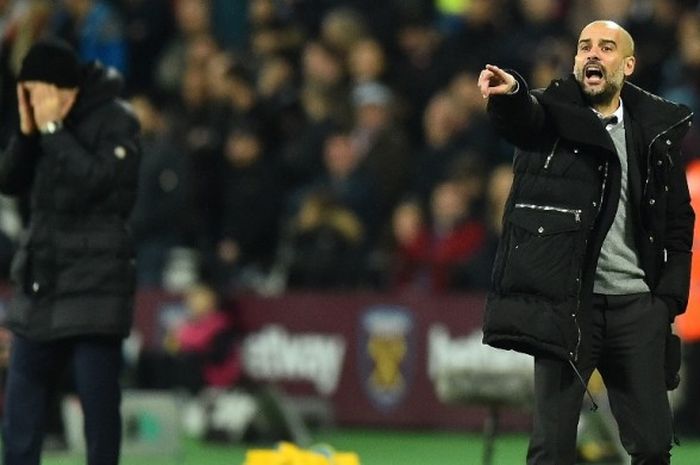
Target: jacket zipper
548, 208
574, 357
579, 279
575, 315
646, 181
602, 188
551, 154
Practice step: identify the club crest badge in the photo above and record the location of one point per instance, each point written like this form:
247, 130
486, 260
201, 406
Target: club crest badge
386, 354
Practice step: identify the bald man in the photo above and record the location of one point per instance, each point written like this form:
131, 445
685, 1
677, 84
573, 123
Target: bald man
594, 260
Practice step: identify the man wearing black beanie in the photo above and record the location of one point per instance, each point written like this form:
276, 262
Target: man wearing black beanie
76, 157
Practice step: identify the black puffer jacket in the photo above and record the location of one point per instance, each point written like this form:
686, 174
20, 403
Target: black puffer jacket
74, 272
562, 203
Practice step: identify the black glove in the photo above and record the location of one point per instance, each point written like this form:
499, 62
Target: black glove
673, 360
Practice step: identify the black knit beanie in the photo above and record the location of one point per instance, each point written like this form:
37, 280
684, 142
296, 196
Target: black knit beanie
52, 61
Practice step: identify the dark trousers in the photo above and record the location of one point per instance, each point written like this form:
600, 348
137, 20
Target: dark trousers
688, 416
628, 343
35, 370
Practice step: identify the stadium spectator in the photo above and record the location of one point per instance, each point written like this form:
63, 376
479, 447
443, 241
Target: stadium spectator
148, 26
192, 20
162, 216
301, 159
681, 75
270, 32
475, 133
381, 144
280, 105
342, 28
442, 123
366, 62
537, 22
421, 66
408, 223
324, 245
198, 346
251, 198
480, 22
323, 68
448, 240
470, 275
346, 180
656, 39
198, 132
96, 30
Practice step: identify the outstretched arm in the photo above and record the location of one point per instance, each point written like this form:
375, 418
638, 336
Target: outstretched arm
514, 111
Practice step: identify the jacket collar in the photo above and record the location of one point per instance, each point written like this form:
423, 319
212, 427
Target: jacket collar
654, 114
564, 101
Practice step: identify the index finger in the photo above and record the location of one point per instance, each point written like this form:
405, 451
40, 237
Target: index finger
498, 71
485, 76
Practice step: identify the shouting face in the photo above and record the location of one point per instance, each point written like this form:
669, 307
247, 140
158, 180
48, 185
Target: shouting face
604, 57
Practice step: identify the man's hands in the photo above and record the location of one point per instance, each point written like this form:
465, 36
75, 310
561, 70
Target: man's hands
494, 81
26, 114
41, 103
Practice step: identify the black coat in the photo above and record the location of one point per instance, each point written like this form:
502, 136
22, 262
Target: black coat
563, 200
74, 271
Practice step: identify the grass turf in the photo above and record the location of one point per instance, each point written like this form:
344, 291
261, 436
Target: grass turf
374, 448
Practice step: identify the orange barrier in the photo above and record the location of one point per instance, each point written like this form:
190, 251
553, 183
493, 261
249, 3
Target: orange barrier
688, 324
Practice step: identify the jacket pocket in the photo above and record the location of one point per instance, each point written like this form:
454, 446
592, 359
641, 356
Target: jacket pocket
542, 251
94, 263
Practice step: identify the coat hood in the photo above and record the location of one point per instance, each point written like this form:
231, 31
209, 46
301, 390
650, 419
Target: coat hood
99, 84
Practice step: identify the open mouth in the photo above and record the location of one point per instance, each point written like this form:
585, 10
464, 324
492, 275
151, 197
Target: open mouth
593, 74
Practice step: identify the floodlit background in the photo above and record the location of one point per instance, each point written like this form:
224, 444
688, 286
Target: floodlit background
319, 206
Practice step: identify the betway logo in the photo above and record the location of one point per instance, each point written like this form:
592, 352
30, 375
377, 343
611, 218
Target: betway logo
274, 354
446, 353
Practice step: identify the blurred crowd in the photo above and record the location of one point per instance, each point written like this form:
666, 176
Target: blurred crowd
328, 144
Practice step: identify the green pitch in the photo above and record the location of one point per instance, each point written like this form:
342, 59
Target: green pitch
377, 448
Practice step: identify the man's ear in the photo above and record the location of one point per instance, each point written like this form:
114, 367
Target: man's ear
630, 62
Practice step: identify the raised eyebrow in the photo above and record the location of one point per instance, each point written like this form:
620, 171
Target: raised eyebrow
600, 42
